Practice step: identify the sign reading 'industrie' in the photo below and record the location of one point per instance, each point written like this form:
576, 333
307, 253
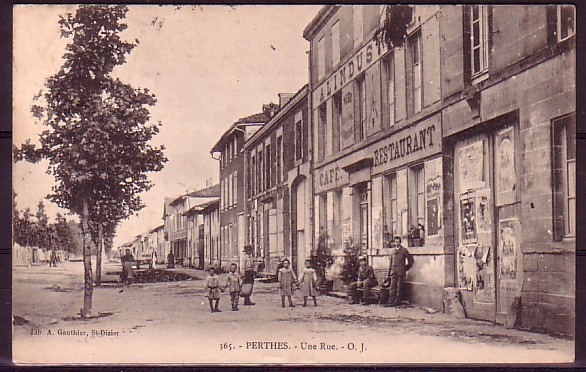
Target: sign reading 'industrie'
359, 62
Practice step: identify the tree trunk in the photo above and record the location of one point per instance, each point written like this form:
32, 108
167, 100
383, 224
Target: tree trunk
99, 254
87, 263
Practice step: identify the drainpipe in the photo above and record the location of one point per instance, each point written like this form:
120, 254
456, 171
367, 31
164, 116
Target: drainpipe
310, 150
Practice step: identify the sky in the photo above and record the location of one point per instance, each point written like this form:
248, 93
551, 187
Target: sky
207, 66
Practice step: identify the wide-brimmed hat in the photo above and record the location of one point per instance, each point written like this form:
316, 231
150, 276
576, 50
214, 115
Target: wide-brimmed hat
362, 258
248, 248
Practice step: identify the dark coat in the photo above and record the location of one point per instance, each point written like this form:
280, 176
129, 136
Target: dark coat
397, 259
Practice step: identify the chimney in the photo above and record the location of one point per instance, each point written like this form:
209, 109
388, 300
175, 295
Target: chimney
270, 109
284, 98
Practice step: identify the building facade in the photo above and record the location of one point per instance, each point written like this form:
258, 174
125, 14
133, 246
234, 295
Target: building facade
508, 83
203, 234
454, 141
178, 225
278, 181
232, 198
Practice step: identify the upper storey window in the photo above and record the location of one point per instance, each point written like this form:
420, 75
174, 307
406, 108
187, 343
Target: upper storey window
566, 22
478, 39
358, 22
321, 58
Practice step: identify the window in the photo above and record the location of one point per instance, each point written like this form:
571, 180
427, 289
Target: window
323, 214
389, 66
391, 219
416, 72
336, 120
279, 159
230, 194
235, 188
358, 21
261, 170
564, 157
478, 39
321, 58
229, 150
230, 242
299, 140
361, 117
235, 146
336, 43
322, 135
566, 22
252, 176
268, 166
222, 196
416, 231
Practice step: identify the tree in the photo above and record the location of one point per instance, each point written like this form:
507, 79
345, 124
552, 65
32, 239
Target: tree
393, 29
323, 257
97, 141
350, 267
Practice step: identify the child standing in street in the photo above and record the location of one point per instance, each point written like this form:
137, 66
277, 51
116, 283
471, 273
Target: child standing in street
308, 281
233, 285
287, 279
212, 286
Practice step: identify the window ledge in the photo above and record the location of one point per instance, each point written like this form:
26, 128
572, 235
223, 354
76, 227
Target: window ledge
479, 77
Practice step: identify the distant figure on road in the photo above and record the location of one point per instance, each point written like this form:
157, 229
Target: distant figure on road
53, 259
212, 287
233, 285
170, 260
308, 282
248, 281
127, 272
287, 279
400, 262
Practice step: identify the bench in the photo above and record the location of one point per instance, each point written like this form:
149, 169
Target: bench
379, 294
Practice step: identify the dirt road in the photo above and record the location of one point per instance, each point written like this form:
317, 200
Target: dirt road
170, 322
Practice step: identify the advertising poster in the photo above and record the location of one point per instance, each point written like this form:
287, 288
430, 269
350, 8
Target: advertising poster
508, 247
505, 166
468, 218
433, 189
471, 166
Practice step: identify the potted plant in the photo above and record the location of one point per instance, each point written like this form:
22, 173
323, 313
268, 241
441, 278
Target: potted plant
349, 272
322, 260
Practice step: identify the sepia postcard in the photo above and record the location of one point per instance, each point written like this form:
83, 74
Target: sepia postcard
294, 184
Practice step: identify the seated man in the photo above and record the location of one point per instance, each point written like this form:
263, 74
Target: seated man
366, 280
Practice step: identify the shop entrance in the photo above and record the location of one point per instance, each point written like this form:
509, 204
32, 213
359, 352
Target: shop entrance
487, 227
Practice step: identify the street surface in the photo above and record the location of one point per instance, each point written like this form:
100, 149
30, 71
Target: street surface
170, 322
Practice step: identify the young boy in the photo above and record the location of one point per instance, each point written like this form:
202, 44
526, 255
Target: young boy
212, 286
233, 285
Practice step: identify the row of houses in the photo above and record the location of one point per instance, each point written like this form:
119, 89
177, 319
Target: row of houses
461, 141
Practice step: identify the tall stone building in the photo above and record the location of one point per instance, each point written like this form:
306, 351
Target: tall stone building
461, 141
278, 182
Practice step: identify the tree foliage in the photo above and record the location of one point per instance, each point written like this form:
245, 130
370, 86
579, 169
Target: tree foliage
349, 272
323, 257
395, 22
98, 128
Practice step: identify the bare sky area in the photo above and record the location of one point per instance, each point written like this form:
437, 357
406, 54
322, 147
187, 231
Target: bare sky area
207, 65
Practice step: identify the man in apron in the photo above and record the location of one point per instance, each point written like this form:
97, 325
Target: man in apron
248, 281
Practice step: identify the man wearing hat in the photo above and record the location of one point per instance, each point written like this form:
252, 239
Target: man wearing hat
400, 262
248, 281
366, 281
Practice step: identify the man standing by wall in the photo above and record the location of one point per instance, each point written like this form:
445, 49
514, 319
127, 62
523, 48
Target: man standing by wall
248, 281
400, 262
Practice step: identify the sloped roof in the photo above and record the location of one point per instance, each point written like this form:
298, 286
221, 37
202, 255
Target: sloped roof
208, 192
201, 207
259, 118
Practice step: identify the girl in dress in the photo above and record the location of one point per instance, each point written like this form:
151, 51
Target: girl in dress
212, 287
287, 279
308, 281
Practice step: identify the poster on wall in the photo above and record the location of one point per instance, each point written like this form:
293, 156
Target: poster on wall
483, 283
347, 125
508, 246
468, 218
466, 268
432, 193
471, 166
373, 102
377, 228
483, 211
505, 166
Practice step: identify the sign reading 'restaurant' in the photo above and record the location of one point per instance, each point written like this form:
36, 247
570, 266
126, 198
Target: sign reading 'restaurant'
413, 143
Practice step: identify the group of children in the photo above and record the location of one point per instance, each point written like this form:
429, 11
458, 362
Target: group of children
288, 282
